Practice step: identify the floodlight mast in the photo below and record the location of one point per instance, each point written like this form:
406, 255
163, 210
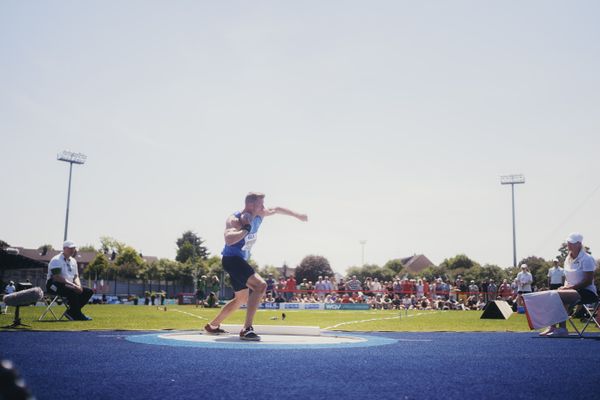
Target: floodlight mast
71, 158
513, 180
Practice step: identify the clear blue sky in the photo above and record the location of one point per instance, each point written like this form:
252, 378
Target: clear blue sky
385, 121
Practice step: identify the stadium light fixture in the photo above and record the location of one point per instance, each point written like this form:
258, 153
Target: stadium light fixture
513, 180
71, 158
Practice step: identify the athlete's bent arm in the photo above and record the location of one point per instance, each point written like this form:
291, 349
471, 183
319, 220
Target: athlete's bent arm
234, 231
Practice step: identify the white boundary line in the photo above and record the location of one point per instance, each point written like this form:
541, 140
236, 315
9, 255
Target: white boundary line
377, 319
190, 314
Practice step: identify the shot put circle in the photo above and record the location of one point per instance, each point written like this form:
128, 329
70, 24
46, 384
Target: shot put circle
268, 341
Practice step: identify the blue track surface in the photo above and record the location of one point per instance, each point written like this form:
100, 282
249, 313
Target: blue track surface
104, 365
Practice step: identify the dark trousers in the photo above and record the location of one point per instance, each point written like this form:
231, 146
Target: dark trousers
76, 300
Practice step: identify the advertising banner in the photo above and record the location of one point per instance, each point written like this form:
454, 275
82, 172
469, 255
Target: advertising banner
347, 306
310, 306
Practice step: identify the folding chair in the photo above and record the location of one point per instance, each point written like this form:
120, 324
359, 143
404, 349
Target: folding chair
591, 310
52, 300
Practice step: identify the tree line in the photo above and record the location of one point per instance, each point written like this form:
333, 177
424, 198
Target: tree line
449, 269
193, 264
116, 260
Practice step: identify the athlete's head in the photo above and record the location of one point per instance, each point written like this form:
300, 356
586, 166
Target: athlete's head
255, 202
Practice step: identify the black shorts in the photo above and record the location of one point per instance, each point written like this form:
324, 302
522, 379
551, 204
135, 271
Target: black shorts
239, 271
587, 296
554, 286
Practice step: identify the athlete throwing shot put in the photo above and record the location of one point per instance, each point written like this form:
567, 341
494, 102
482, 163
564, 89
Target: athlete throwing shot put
240, 235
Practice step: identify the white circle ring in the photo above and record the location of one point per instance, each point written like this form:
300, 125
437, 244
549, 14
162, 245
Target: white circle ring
268, 341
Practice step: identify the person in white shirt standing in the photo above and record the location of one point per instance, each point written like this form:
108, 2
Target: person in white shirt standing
63, 279
556, 276
524, 281
579, 285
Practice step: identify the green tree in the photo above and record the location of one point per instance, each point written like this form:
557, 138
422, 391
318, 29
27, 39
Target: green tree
150, 273
354, 270
129, 263
459, 265
311, 267
269, 269
109, 244
563, 251
190, 273
214, 265
190, 247
491, 271
372, 271
395, 265
511, 273
44, 249
458, 261
186, 253
215, 268
113, 273
88, 247
169, 270
98, 267
474, 272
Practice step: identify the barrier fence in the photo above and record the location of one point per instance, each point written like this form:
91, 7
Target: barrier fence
402, 292
290, 299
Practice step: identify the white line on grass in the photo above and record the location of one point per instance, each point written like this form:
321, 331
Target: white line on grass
190, 314
376, 319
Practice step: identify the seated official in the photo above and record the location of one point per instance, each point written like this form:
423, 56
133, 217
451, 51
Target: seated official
579, 285
63, 279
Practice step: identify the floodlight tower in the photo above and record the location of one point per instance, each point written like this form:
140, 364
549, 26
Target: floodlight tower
513, 180
71, 158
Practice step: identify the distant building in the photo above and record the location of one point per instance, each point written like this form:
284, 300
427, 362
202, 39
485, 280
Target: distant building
16, 267
416, 263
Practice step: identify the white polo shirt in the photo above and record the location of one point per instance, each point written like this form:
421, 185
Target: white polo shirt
524, 280
574, 269
68, 269
556, 275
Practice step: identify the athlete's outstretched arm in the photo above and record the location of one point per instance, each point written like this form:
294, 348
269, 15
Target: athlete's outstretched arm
284, 211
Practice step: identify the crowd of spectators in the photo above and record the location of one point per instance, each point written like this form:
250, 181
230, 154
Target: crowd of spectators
397, 294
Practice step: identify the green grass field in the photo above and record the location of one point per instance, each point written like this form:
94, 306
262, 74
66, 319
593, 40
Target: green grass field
124, 317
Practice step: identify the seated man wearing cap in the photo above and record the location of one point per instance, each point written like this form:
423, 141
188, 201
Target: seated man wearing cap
63, 279
579, 285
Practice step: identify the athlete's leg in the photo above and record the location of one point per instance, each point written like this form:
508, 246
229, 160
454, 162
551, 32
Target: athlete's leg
240, 297
258, 287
